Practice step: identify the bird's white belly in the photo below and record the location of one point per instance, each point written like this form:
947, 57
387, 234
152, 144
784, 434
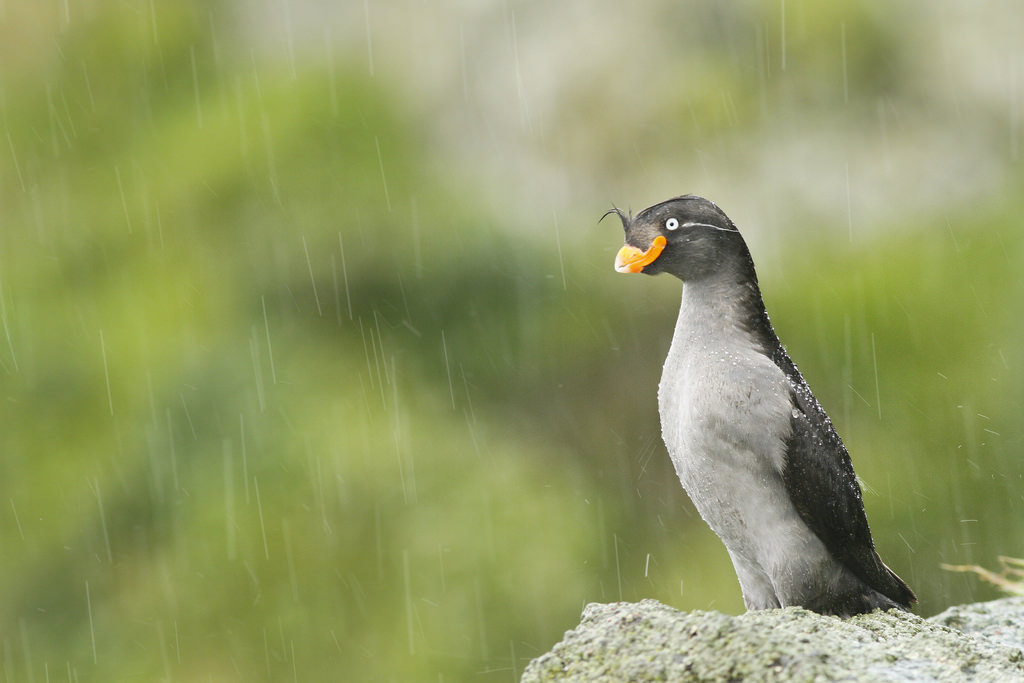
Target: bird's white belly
725, 414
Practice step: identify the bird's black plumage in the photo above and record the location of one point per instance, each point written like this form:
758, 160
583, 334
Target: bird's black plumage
769, 461
821, 483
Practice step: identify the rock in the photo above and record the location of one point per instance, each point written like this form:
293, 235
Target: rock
650, 641
1000, 621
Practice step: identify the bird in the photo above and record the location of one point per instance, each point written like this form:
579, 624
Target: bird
751, 445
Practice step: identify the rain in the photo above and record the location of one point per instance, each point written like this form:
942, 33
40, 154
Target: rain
315, 365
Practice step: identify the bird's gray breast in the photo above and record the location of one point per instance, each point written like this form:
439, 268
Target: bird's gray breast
725, 414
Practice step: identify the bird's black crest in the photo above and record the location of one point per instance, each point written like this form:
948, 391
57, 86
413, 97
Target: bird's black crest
626, 218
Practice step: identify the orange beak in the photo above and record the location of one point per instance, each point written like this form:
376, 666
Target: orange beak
632, 260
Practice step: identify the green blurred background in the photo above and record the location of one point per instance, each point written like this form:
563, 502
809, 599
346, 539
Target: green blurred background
315, 366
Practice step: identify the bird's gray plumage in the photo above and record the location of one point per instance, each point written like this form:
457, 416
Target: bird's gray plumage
752, 447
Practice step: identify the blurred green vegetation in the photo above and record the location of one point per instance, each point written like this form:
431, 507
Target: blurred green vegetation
284, 400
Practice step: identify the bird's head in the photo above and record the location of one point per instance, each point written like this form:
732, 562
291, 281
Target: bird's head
687, 236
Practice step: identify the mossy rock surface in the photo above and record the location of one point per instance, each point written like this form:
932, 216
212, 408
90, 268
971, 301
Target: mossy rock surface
649, 641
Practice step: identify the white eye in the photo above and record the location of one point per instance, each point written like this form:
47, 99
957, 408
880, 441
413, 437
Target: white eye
671, 224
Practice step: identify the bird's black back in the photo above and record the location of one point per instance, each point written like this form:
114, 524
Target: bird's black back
822, 485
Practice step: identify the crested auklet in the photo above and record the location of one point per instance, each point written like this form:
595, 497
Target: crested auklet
753, 448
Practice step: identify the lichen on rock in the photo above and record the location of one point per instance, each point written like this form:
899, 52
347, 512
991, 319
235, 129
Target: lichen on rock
650, 641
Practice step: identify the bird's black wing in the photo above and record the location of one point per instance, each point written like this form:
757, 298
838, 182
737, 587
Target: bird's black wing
821, 483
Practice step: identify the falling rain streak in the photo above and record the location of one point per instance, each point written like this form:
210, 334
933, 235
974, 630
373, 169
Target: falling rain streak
14, 160
448, 369
106, 374
369, 35
270, 349
312, 277
17, 521
124, 199
95, 485
229, 501
407, 582
383, 176
846, 80
7, 328
344, 276
849, 205
263, 526
245, 458
92, 625
289, 38
874, 365
558, 245
195, 86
